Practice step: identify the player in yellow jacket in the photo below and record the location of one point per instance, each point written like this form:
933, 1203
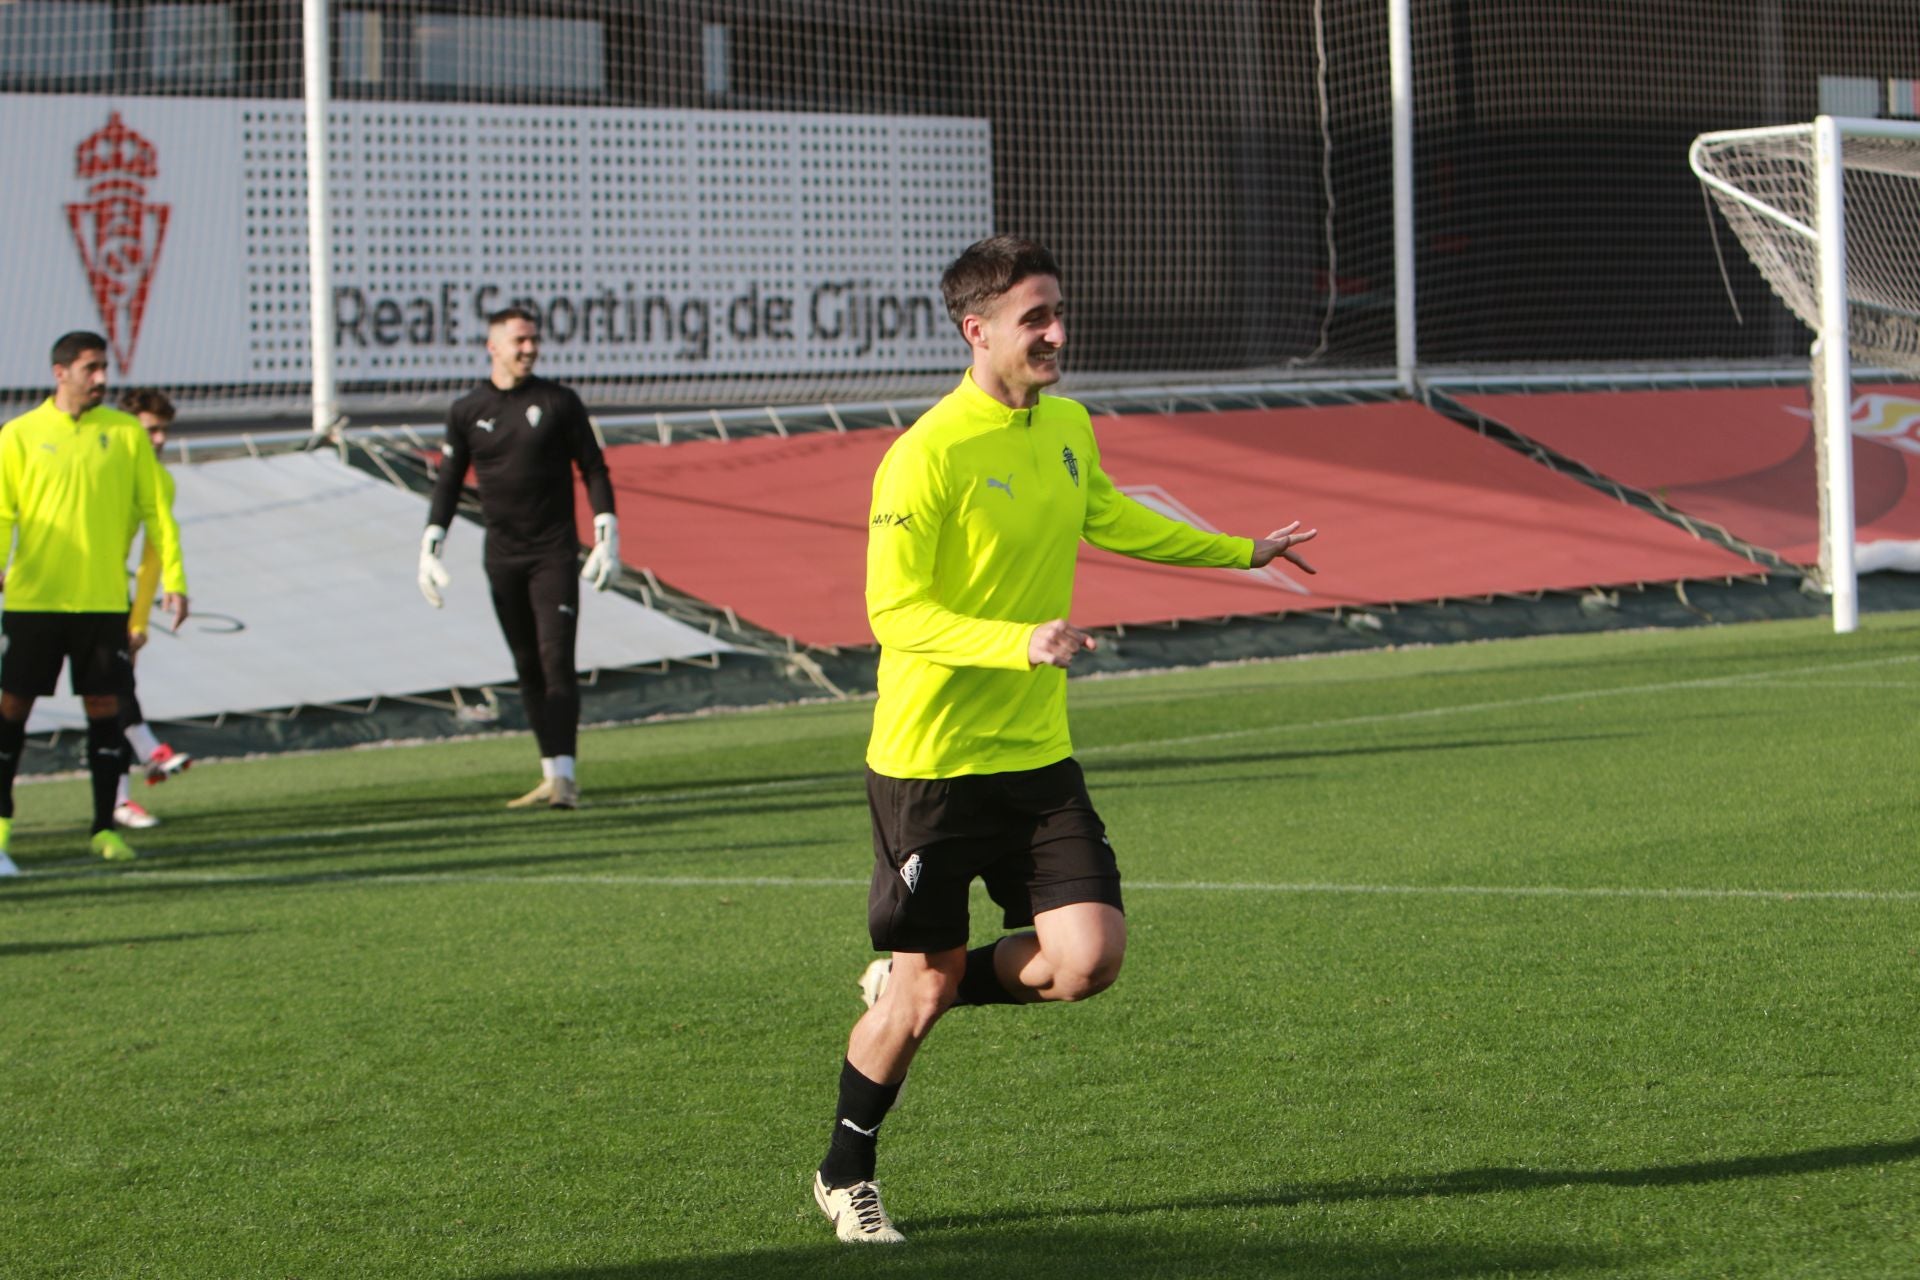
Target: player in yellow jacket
978, 511
76, 479
157, 759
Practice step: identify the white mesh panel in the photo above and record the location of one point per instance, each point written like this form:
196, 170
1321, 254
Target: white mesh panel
1214, 175
1774, 214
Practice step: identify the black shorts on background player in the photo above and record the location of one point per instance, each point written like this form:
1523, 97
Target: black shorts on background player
95, 644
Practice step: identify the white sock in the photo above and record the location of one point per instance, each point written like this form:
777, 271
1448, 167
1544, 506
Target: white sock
546, 766
120, 793
562, 767
144, 743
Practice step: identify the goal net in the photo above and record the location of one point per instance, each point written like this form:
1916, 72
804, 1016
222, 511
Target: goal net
732, 204
740, 203
1764, 182
1829, 212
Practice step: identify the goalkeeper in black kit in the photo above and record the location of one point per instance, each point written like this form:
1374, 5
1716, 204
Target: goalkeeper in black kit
523, 437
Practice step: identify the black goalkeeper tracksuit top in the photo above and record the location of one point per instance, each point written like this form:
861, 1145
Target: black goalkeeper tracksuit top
523, 446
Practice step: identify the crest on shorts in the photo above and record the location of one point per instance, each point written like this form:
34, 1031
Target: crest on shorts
910, 872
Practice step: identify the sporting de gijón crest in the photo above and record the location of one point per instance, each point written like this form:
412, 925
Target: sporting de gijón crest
119, 231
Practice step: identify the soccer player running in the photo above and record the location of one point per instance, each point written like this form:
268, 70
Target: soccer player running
157, 759
76, 478
523, 436
977, 512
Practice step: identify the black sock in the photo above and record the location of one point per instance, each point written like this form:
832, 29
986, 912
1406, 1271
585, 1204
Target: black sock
107, 754
856, 1128
980, 984
13, 743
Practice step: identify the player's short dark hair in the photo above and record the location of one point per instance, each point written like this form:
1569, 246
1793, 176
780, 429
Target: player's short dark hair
505, 314
988, 269
69, 347
139, 400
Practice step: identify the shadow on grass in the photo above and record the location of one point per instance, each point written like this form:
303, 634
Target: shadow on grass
964, 1247
355, 815
469, 840
1498, 1180
149, 876
1816, 1160
53, 948
1062, 1253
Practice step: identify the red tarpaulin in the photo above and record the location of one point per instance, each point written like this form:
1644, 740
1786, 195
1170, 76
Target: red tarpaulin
1741, 459
1409, 506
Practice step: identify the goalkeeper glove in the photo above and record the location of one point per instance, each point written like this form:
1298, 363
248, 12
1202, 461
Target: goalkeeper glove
603, 562
433, 574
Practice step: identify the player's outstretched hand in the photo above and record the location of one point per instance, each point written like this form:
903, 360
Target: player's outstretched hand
1057, 643
433, 575
1279, 545
603, 562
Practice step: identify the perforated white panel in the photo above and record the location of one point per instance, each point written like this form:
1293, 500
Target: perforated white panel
650, 243
273, 217
653, 244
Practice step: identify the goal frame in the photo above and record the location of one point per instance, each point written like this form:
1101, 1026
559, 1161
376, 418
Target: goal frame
1832, 353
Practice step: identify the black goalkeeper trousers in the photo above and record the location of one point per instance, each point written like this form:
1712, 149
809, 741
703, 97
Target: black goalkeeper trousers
538, 604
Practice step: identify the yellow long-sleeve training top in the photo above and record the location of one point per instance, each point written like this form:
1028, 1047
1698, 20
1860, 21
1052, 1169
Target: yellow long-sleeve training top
76, 489
977, 513
146, 579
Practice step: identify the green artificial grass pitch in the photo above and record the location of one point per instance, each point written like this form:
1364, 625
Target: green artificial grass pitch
1563, 957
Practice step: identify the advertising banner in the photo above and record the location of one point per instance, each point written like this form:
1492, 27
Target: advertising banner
651, 243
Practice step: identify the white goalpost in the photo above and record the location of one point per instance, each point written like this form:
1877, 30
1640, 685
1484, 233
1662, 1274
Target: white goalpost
1830, 214
315, 43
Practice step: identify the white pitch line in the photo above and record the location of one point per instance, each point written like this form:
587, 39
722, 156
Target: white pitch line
1817, 685
1537, 891
360, 878
1538, 700
1288, 726
298, 838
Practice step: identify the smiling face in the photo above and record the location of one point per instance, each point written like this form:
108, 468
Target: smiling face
1016, 341
81, 385
513, 345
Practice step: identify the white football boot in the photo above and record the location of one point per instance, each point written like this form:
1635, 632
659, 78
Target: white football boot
134, 815
857, 1215
874, 981
540, 795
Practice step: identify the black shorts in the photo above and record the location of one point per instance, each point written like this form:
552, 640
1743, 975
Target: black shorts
1031, 835
38, 643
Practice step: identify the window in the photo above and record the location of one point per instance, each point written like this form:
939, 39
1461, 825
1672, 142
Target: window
360, 48
192, 42
716, 58
454, 51
56, 41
